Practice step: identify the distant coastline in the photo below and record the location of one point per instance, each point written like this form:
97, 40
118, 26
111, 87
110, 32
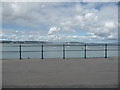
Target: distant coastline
46, 42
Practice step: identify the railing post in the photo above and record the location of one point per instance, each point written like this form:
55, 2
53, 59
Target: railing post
63, 51
42, 52
85, 52
105, 50
20, 53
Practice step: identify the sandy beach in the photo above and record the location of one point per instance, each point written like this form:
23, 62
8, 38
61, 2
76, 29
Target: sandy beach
60, 73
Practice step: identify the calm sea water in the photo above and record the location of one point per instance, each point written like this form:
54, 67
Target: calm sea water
56, 51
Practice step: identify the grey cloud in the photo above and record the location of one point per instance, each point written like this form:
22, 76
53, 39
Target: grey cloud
102, 22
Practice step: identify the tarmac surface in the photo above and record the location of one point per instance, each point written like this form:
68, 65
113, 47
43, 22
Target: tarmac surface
60, 73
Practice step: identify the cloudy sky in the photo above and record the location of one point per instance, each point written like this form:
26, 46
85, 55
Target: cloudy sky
60, 21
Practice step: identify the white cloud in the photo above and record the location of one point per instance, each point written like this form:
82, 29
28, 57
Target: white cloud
53, 30
56, 20
110, 25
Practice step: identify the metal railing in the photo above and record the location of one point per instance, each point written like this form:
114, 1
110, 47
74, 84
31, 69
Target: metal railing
105, 49
63, 50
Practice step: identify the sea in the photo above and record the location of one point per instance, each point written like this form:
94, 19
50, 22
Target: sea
57, 51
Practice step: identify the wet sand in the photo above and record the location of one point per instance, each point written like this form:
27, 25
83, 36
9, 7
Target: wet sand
60, 73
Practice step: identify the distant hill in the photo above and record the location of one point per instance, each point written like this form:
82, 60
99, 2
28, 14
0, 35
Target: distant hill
46, 42
24, 42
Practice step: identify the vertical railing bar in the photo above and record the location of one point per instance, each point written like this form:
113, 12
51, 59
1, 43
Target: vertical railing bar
85, 52
42, 52
20, 53
105, 50
63, 51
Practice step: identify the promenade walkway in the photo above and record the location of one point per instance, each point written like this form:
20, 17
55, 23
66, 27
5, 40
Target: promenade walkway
60, 73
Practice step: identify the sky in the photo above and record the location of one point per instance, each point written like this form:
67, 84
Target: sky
95, 22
